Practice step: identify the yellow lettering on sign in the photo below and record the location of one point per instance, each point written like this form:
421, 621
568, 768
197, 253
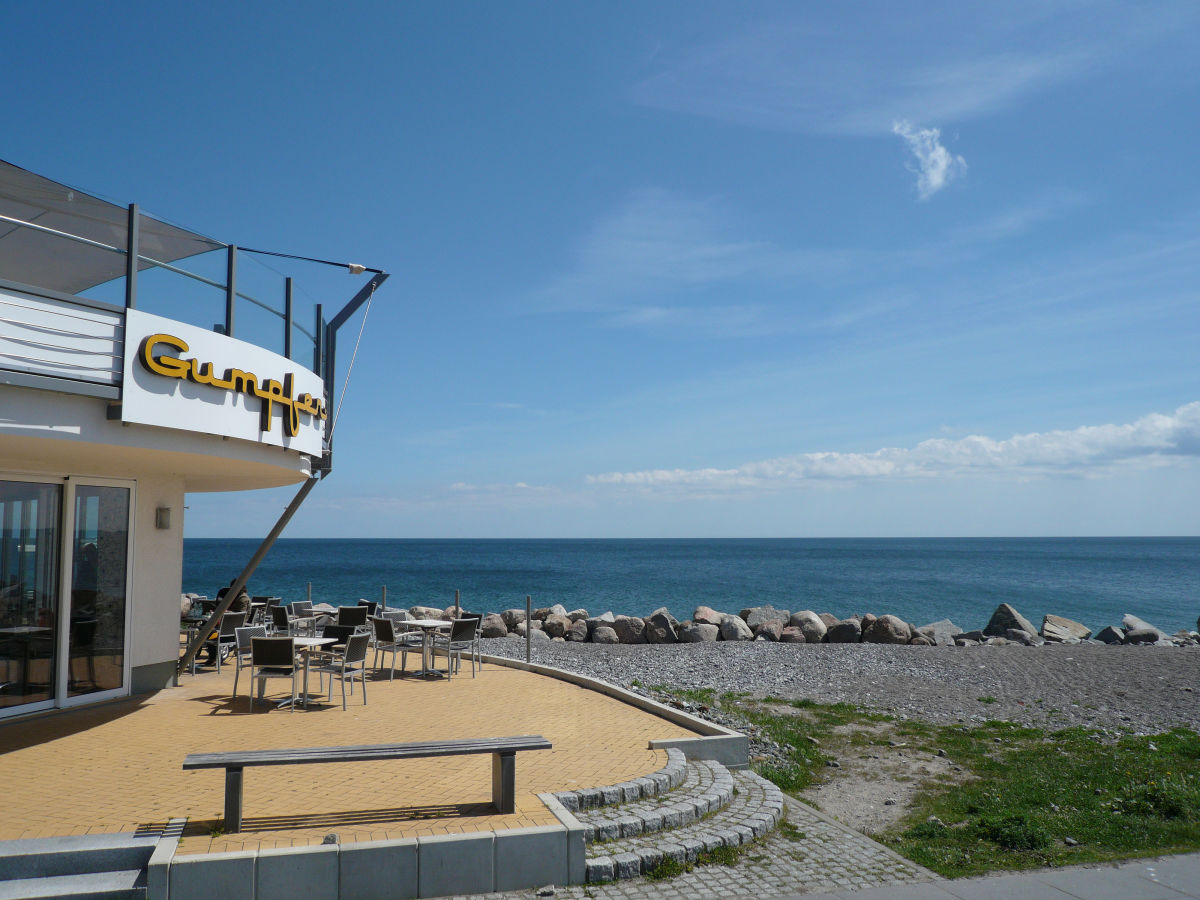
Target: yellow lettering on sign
268, 390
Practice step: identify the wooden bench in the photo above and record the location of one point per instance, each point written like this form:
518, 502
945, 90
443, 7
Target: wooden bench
503, 750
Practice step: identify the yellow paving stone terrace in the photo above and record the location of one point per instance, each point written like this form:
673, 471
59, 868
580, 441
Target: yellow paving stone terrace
118, 767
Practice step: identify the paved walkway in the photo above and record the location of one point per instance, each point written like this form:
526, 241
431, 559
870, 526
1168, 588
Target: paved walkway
118, 767
819, 858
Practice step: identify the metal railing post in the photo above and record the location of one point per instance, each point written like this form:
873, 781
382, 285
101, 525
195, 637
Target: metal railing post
287, 317
528, 628
230, 289
131, 258
383, 601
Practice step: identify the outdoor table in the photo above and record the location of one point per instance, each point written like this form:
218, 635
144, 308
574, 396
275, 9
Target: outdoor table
25, 634
306, 645
427, 626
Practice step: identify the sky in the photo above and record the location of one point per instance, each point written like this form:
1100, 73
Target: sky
684, 269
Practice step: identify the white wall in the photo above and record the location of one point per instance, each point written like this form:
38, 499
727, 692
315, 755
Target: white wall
157, 573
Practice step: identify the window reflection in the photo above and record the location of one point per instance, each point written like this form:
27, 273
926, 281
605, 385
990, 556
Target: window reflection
98, 590
29, 535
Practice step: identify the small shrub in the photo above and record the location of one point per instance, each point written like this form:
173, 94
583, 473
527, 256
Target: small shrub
1015, 832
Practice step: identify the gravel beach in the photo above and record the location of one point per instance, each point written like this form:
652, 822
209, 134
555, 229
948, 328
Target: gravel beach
1130, 688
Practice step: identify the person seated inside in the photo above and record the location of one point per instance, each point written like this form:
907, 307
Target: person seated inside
241, 603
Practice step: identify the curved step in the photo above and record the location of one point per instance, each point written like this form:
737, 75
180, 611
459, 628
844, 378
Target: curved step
707, 787
754, 810
665, 779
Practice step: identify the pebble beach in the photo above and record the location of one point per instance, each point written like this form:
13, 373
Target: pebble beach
1140, 689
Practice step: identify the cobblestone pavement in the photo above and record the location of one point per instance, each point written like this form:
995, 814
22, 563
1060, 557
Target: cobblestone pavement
829, 856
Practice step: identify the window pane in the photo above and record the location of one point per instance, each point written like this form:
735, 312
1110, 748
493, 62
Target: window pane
98, 590
29, 528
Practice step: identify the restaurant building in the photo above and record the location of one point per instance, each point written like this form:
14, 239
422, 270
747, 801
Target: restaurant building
128, 379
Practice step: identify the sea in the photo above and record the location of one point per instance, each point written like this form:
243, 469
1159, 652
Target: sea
1091, 580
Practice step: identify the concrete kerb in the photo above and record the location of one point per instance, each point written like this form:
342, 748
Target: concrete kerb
714, 742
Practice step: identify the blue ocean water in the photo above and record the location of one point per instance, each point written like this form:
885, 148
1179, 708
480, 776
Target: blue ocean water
1091, 580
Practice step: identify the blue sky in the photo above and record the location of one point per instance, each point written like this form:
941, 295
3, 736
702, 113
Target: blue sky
686, 269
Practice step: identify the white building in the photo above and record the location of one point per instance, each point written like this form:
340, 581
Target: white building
115, 402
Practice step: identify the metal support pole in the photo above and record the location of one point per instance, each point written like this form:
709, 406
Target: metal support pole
383, 601
457, 606
318, 340
287, 318
131, 257
528, 628
230, 289
308, 593
240, 582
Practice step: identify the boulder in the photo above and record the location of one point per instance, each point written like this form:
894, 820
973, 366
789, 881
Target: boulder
733, 628
492, 626
185, 604
1004, 618
811, 624
793, 634
921, 640
1133, 623
604, 634
578, 615
829, 619
698, 633
556, 625
845, 631
865, 621
1064, 631
630, 629
941, 632
769, 630
521, 627
536, 634
578, 631
661, 628
706, 615
756, 616
512, 616
887, 629
1110, 635
425, 612
1143, 636
972, 637
1020, 636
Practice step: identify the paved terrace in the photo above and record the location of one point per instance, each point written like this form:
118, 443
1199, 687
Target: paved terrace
118, 767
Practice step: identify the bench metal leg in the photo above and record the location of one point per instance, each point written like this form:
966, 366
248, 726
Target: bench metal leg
233, 800
504, 782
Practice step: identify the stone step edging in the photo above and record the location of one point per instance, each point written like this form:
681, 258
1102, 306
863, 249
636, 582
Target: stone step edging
707, 788
755, 811
665, 779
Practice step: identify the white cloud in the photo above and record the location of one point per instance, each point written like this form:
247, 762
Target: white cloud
1087, 451
936, 166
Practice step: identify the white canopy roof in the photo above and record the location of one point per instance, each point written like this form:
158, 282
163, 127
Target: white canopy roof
45, 260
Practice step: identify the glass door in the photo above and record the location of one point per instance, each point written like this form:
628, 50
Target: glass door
29, 542
99, 589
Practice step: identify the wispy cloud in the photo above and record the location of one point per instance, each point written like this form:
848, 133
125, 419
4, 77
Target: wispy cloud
1082, 452
935, 166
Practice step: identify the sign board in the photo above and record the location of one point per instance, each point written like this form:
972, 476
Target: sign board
184, 377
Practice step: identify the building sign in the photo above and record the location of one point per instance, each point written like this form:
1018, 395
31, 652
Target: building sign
180, 376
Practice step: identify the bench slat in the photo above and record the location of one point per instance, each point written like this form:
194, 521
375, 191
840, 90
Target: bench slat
304, 755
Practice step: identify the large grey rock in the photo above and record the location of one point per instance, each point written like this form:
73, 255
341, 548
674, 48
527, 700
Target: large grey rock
512, 616
706, 615
793, 634
770, 630
810, 623
941, 632
630, 629
1133, 623
425, 612
844, 631
556, 625
532, 625
1004, 618
733, 628
578, 631
756, 616
1058, 630
865, 621
537, 634
1110, 635
660, 628
1020, 636
595, 622
1144, 636
604, 635
829, 619
887, 629
578, 615
185, 604
698, 633
492, 626
920, 640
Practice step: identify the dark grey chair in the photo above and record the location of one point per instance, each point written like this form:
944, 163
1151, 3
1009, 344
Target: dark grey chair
461, 638
389, 640
355, 616
241, 653
272, 657
351, 664
226, 635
